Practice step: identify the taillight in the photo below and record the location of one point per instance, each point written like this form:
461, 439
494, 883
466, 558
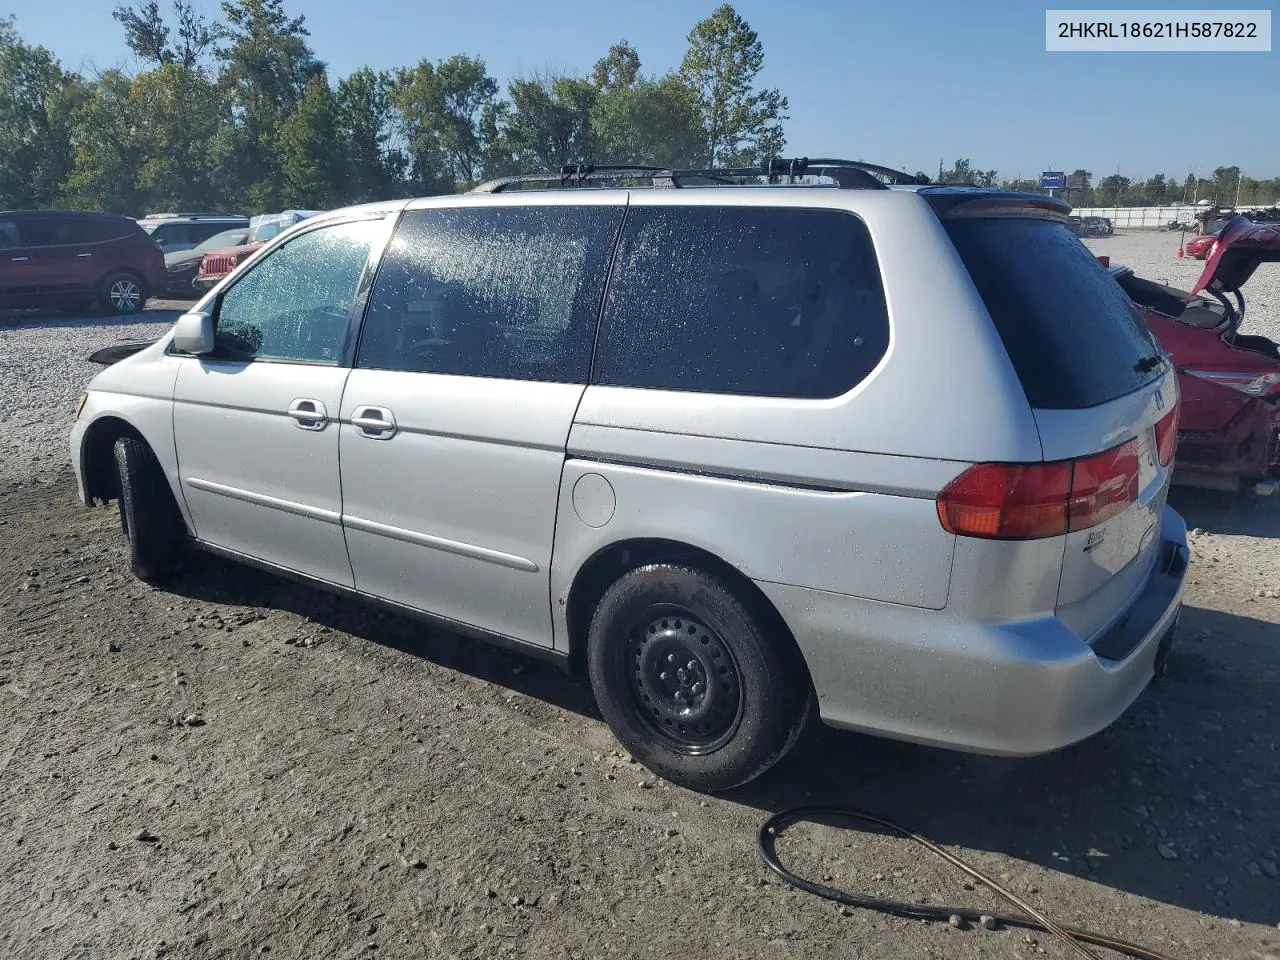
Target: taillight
1028, 501
1254, 384
1167, 436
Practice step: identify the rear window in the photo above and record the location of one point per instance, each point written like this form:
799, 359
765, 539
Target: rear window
758, 301
1073, 336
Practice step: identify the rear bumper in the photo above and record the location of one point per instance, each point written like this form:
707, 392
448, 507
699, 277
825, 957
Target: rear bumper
1247, 448
1012, 689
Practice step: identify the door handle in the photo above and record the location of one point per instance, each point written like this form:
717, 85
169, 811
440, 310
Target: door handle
308, 414
82, 256
20, 259
374, 423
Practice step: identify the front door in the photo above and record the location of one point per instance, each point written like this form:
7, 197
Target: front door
256, 422
474, 355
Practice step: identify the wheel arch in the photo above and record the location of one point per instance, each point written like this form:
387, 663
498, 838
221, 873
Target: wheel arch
97, 457
613, 561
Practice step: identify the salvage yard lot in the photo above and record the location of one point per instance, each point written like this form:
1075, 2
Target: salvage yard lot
238, 766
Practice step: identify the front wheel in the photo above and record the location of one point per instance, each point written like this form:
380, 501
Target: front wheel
692, 681
149, 517
122, 293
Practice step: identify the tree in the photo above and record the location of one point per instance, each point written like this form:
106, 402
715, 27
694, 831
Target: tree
960, 172
443, 108
1110, 189
108, 153
147, 34
37, 98
653, 122
312, 155
550, 122
267, 67
178, 112
366, 125
618, 69
740, 124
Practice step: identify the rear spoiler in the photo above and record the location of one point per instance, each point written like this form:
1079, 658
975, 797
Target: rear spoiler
114, 354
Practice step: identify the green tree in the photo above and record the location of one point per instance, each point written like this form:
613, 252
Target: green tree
147, 34
366, 125
178, 112
312, 155
37, 100
108, 152
267, 66
443, 109
740, 123
653, 122
959, 172
550, 121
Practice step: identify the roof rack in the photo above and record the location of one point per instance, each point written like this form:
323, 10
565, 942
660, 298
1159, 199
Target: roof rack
193, 216
848, 174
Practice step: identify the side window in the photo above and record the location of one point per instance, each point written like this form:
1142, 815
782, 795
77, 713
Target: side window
200, 232
49, 231
94, 230
9, 237
295, 304
510, 292
762, 301
170, 234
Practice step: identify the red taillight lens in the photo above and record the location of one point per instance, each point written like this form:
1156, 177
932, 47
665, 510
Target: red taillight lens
1027, 501
1007, 501
1167, 436
1102, 486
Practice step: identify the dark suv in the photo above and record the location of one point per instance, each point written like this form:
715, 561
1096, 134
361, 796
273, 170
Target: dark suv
69, 259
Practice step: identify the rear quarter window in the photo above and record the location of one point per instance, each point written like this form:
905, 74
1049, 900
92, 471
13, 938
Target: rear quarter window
760, 301
1074, 337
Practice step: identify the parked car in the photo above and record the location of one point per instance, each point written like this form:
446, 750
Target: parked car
217, 263
1098, 227
662, 432
183, 265
1076, 226
183, 231
1199, 247
74, 260
1229, 433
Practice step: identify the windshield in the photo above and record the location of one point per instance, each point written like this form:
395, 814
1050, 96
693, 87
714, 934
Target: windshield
227, 238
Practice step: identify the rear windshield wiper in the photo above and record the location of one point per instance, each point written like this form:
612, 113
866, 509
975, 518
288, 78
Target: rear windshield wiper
1147, 364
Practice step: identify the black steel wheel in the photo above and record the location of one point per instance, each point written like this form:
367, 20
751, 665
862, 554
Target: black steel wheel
685, 680
698, 681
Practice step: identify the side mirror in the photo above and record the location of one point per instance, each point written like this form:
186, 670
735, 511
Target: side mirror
193, 333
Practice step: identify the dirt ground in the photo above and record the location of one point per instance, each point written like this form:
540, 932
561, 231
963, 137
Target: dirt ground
237, 767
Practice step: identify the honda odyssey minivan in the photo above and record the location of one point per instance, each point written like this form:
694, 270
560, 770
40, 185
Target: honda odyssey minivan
758, 445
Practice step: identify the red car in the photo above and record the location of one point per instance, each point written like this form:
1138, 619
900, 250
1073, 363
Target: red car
1229, 428
73, 260
1200, 246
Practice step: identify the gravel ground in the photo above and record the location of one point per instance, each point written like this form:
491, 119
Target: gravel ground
237, 767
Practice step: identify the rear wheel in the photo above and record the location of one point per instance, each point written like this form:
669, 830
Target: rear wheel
122, 293
691, 679
149, 517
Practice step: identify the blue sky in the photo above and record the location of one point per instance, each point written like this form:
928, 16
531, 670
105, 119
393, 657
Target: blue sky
905, 84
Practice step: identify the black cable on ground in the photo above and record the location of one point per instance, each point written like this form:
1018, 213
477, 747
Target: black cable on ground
1030, 919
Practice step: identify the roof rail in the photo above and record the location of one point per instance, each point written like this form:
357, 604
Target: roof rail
848, 174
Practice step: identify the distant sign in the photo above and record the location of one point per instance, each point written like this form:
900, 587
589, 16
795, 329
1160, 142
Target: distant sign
1075, 182
1053, 180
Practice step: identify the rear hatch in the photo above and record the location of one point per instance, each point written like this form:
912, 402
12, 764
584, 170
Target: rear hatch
1103, 392
1240, 248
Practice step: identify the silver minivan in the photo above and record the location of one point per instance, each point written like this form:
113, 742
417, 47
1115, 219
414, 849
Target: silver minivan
746, 449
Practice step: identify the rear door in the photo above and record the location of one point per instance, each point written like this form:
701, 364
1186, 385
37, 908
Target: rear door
45, 265
12, 258
1098, 384
473, 358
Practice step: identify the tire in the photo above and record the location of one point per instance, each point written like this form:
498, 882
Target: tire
122, 293
149, 517
692, 681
